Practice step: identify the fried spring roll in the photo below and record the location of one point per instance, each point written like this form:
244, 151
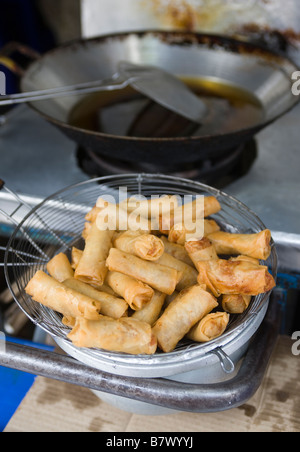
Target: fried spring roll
181, 315
235, 277
180, 235
145, 246
151, 208
210, 327
92, 268
235, 304
161, 278
151, 311
70, 322
55, 295
76, 255
91, 216
210, 226
201, 250
86, 230
252, 260
60, 268
176, 250
111, 306
189, 274
125, 335
188, 213
134, 292
257, 245
211, 206
113, 217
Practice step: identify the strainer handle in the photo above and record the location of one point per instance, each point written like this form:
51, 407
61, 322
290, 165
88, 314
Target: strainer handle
161, 392
20, 203
12, 219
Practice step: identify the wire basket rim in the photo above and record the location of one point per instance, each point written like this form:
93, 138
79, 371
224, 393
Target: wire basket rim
197, 349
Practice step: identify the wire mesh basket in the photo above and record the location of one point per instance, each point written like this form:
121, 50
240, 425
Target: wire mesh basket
56, 225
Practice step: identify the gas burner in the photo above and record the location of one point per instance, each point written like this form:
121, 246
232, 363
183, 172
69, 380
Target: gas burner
218, 172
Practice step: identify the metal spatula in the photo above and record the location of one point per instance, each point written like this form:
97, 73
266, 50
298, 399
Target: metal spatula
164, 89
155, 83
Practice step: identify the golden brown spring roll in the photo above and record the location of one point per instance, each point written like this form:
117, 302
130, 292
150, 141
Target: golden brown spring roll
76, 255
145, 246
235, 304
188, 213
113, 217
235, 277
177, 234
210, 226
91, 216
253, 245
86, 230
189, 274
55, 295
245, 259
60, 268
161, 278
134, 292
111, 306
151, 311
181, 315
210, 327
176, 250
100, 205
92, 265
151, 208
180, 235
201, 250
211, 206
125, 335
70, 322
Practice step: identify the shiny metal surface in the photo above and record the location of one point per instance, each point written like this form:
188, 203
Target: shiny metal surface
267, 77
262, 75
165, 89
158, 85
68, 90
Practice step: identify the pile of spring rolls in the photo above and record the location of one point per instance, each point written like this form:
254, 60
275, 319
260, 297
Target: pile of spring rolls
139, 291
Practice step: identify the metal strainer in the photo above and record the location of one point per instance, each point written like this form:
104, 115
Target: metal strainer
56, 226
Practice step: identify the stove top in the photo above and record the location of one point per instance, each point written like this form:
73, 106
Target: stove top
218, 171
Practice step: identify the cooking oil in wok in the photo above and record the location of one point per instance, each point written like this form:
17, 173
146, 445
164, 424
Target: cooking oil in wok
127, 113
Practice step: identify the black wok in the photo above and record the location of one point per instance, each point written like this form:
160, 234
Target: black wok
258, 71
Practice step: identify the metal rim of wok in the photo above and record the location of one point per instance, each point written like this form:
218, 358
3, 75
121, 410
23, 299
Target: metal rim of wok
187, 149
